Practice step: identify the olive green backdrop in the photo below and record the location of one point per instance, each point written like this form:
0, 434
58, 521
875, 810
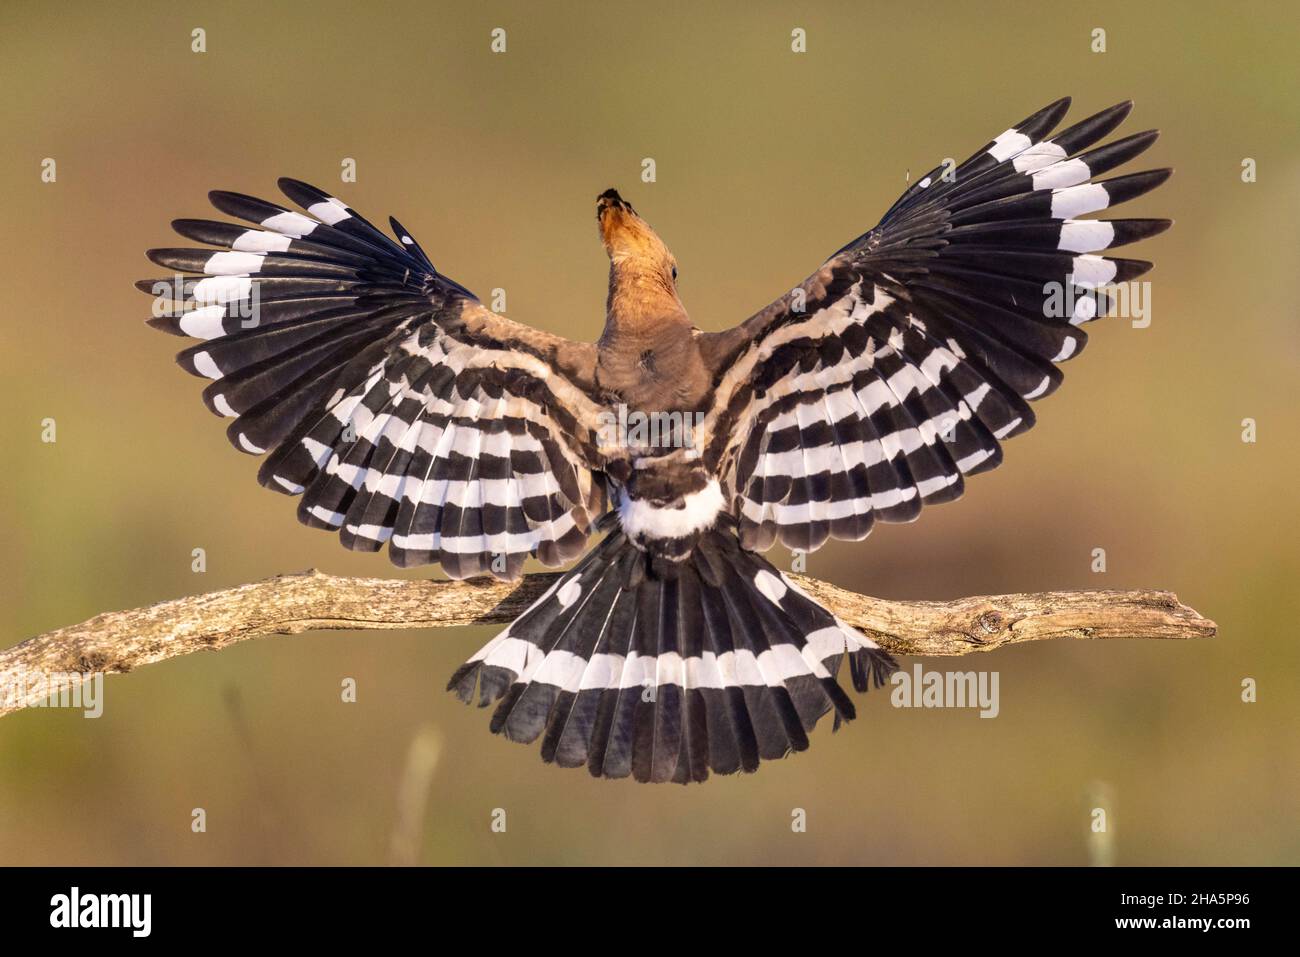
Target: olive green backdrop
767, 161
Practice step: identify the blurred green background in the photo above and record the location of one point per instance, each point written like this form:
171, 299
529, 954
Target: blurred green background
767, 161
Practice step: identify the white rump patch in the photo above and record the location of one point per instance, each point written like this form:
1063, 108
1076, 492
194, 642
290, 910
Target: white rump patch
698, 511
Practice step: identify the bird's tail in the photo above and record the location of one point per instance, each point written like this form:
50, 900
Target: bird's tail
666, 671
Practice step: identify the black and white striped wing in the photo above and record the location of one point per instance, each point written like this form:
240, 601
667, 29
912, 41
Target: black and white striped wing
897, 369
396, 405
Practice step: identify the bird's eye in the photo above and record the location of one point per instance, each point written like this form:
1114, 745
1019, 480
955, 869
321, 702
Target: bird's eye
674, 274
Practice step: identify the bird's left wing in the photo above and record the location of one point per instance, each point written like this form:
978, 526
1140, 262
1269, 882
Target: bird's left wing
400, 408
895, 370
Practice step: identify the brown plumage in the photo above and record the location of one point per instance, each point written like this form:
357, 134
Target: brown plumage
648, 355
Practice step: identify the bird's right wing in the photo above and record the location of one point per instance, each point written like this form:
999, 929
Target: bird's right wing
898, 368
396, 405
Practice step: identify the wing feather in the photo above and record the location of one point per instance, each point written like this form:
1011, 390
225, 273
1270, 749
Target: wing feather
896, 370
401, 410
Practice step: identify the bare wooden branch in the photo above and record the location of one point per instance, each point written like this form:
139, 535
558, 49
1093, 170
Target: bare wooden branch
117, 642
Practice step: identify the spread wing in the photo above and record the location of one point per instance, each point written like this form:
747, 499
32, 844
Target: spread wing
396, 405
893, 372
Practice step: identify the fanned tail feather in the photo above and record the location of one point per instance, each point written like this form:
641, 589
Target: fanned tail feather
666, 671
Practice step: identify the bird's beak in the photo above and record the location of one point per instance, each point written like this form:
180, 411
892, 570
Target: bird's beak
618, 220
611, 200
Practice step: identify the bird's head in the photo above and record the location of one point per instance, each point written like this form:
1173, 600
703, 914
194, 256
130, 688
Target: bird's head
635, 250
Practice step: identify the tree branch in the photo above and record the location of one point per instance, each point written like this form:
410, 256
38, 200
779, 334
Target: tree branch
117, 642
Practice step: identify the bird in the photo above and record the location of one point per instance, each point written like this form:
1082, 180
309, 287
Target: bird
402, 412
